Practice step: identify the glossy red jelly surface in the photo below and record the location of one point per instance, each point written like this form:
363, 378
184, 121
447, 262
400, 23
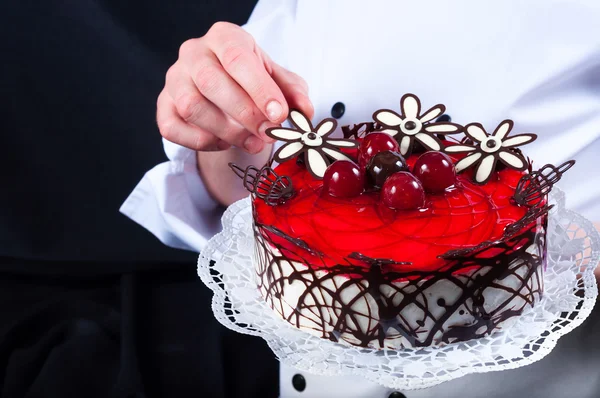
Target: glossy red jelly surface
463, 216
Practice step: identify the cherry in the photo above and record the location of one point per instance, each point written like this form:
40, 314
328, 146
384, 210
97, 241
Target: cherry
402, 191
343, 179
436, 171
383, 165
374, 143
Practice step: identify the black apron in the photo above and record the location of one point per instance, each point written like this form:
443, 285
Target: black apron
91, 304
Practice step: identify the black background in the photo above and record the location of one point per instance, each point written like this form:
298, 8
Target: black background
92, 305
79, 84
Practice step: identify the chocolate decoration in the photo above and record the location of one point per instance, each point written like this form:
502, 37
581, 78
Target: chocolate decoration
383, 165
533, 187
411, 126
265, 183
376, 262
532, 215
359, 130
485, 150
390, 292
311, 142
296, 241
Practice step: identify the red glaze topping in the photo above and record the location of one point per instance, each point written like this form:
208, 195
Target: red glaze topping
461, 217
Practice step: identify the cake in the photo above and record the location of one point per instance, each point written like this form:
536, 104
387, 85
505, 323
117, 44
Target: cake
400, 234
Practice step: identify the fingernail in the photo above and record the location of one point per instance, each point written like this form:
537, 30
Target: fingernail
262, 130
274, 110
253, 144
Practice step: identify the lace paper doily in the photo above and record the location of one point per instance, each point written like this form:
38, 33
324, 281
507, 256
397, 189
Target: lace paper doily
570, 294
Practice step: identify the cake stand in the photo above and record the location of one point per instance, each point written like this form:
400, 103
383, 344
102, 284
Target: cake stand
226, 267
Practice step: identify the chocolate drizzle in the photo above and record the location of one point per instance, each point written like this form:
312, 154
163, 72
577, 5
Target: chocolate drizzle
376, 262
378, 306
360, 130
533, 187
533, 215
295, 241
265, 183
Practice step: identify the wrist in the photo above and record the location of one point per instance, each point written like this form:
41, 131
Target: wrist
221, 183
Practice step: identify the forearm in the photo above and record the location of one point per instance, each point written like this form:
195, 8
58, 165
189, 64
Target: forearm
222, 184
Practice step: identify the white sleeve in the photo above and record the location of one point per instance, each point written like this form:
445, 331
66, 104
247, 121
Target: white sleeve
171, 201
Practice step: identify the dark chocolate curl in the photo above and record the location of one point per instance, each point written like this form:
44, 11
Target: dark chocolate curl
376, 262
359, 130
532, 188
265, 183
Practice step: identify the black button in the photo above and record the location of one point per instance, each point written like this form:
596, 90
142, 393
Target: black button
444, 118
299, 382
397, 394
338, 109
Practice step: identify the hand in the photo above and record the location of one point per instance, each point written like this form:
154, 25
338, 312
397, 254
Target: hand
224, 90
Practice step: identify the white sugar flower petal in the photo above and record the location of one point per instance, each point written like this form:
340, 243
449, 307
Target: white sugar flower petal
512, 159
467, 161
388, 118
301, 121
432, 113
344, 143
325, 128
410, 106
485, 169
284, 134
459, 148
391, 132
442, 128
289, 150
405, 144
335, 154
518, 140
428, 141
476, 132
503, 129
316, 162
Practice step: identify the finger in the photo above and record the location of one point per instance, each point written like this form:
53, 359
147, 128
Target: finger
176, 130
241, 61
294, 88
218, 87
194, 109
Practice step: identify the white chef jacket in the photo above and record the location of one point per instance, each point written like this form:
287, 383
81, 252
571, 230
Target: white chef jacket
536, 62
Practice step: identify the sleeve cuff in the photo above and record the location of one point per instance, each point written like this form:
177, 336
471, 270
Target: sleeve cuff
172, 203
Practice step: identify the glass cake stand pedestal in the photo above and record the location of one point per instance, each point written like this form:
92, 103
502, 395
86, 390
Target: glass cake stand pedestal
226, 267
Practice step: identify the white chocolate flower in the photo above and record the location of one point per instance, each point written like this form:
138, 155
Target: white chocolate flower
411, 125
312, 141
488, 149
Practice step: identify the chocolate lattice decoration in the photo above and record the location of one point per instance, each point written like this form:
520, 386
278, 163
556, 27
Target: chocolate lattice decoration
372, 305
532, 216
265, 183
360, 130
533, 187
